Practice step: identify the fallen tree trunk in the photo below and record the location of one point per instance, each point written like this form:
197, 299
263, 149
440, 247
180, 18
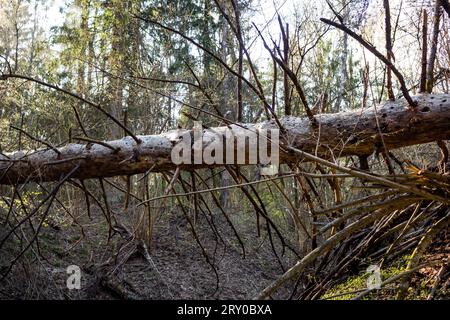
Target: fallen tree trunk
335, 135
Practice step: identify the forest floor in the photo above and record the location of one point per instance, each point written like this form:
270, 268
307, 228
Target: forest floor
177, 269
422, 281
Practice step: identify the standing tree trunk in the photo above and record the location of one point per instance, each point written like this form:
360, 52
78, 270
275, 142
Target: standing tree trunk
434, 43
343, 73
117, 61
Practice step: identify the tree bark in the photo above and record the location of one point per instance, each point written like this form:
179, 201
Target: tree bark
343, 134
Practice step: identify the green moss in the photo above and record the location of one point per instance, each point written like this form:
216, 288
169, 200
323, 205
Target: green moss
346, 290
352, 284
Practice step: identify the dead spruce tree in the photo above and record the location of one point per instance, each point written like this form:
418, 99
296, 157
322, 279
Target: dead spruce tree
400, 213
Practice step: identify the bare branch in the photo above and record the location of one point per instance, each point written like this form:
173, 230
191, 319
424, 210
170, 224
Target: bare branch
371, 48
74, 95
